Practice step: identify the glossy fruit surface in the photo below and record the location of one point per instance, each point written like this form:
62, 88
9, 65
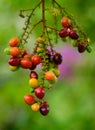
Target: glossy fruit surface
63, 33
57, 58
44, 108
33, 82
14, 51
35, 107
73, 34
26, 63
81, 47
49, 75
65, 21
29, 99
39, 92
14, 42
36, 59
33, 74
14, 61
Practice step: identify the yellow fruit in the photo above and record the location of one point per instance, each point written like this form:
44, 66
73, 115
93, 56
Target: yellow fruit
13, 68
40, 40
33, 82
35, 107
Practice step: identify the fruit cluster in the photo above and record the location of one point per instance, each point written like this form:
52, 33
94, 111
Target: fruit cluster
44, 52
39, 83
69, 31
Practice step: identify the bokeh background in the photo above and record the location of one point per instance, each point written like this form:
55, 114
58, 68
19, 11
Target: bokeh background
72, 100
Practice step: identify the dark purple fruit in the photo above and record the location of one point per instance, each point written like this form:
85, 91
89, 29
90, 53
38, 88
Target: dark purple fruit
57, 58
33, 74
81, 47
73, 34
63, 33
14, 61
44, 108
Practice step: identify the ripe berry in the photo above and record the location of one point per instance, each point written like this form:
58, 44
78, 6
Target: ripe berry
81, 47
44, 108
26, 63
39, 92
14, 61
73, 34
36, 59
29, 99
57, 58
14, 42
49, 75
33, 82
63, 33
14, 51
65, 22
35, 107
33, 74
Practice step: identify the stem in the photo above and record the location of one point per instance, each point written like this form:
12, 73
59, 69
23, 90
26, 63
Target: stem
43, 17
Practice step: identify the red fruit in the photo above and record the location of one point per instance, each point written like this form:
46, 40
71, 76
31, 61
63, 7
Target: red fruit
73, 34
14, 42
14, 51
36, 59
29, 99
39, 92
65, 22
33, 67
81, 47
14, 61
33, 74
44, 108
26, 63
64, 32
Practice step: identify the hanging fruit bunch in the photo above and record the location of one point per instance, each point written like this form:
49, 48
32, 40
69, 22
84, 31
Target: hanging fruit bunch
44, 53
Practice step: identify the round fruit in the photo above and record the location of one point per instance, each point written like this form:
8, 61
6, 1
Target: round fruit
14, 42
29, 99
81, 47
57, 58
35, 107
33, 67
73, 34
33, 74
14, 61
40, 40
49, 75
33, 82
39, 92
63, 33
36, 59
65, 22
14, 68
7, 51
26, 63
14, 51
44, 108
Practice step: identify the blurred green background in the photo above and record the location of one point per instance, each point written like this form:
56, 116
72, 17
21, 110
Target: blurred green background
72, 100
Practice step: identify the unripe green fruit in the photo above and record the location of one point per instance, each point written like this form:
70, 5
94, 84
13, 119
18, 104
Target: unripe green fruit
53, 81
7, 51
89, 49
